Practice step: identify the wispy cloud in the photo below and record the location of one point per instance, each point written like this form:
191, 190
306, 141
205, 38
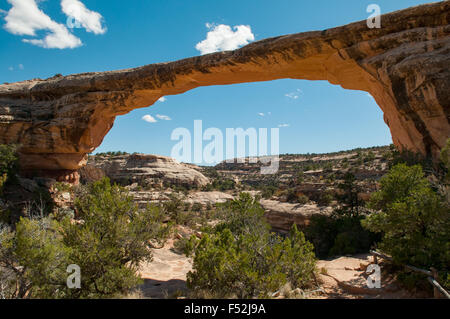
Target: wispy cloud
222, 38
19, 66
284, 125
261, 114
294, 95
90, 20
148, 118
163, 117
162, 99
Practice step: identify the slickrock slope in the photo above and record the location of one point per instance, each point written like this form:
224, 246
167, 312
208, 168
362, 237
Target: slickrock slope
404, 66
151, 170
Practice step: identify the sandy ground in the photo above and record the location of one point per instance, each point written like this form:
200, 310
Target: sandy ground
165, 275
345, 277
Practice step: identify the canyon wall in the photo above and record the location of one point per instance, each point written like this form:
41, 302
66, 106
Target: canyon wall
404, 65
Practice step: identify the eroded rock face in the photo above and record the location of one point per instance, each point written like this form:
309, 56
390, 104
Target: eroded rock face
151, 170
281, 216
404, 66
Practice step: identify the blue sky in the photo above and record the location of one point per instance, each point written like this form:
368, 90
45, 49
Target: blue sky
315, 116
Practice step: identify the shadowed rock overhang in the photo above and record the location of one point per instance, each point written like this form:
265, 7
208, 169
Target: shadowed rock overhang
404, 65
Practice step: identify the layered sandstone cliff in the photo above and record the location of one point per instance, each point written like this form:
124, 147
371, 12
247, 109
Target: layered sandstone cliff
404, 66
148, 170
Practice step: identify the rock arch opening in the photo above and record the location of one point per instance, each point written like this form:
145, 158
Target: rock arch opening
312, 117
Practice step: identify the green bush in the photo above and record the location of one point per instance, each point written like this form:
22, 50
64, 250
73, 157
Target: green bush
248, 266
413, 219
243, 215
292, 196
268, 191
220, 184
242, 259
325, 199
33, 260
108, 241
8, 164
339, 234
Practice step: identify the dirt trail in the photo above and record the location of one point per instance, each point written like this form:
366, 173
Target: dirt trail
165, 275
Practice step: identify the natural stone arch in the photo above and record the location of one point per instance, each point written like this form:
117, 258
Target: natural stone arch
404, 66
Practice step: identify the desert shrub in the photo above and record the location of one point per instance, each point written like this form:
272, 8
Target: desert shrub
349, 198
445, 161
325, 199
340, 233
108, 242
220, 184
8, 164
62, 187
370, 157
197, 207
413, 218
247, 266
328, 167
3, 179
242, 215
302, 199
268, 191
112, 239
174, 208
33, 260
241, 258
292, 196
8, 159
300, 178
116, 153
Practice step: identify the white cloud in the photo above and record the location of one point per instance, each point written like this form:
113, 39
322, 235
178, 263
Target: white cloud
25, 18
162, 99
21, 66
284, 125
90, 20
163, 117
148, 118
261, 114
222, 38
270, 113
294, 95
11, 68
